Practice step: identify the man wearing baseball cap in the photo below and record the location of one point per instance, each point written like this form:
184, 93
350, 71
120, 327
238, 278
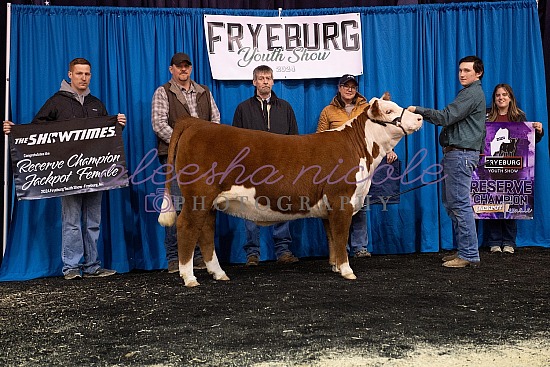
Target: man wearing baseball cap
179, 97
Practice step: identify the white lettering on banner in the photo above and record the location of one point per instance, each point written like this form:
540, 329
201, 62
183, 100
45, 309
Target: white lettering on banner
51, 180
295, 47
87, 173
26, 165
65, 136
78, 160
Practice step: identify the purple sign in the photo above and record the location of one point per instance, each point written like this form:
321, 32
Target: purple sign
503, 184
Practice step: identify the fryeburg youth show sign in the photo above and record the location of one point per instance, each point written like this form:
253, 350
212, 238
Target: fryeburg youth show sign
294, 47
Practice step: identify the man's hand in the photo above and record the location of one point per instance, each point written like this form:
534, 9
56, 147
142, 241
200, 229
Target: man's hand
121, 118
7, 127
538, 127
391, 157
411, 109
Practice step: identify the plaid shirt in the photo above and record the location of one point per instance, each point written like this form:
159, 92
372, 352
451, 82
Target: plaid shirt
160, 108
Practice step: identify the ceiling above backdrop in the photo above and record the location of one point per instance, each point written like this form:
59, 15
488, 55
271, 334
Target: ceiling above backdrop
233, 4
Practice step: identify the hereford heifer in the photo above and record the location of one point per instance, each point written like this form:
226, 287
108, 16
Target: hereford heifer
268, 178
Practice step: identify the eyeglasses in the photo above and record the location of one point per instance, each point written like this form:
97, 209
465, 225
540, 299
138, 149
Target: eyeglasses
349, 87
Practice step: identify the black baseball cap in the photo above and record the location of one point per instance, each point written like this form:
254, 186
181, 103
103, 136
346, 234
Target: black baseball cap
180, 57
347, 78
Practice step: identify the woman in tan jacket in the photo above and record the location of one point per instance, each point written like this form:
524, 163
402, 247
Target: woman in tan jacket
347, 104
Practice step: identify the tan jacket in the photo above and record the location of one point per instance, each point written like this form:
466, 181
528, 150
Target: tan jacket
334, 115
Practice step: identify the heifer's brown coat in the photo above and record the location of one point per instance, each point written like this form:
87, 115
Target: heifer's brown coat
314, 166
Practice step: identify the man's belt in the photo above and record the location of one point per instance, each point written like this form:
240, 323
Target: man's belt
449, 148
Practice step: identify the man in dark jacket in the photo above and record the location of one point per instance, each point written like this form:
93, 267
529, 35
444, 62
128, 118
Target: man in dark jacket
81, 213
265, 111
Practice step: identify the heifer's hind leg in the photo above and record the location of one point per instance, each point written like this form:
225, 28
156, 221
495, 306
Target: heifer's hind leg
189, 228
206, 243
338, 224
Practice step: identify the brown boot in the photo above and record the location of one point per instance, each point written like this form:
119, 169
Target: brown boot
287, 258
173, 266
449, 257
252, 260
459, 263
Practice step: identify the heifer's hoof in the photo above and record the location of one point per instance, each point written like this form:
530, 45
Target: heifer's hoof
191, 282
349, 276
347, 272
221, 277
335, 269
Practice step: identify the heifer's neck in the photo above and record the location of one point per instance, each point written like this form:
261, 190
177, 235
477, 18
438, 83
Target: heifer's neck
386, 137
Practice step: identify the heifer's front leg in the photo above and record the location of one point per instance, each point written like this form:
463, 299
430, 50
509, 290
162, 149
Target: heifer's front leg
206, 243
330, 240
338, 224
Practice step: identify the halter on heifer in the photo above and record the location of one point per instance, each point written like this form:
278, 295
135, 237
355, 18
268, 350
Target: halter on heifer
396, 122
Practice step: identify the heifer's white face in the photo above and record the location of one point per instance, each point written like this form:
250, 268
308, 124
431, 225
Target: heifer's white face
390, 113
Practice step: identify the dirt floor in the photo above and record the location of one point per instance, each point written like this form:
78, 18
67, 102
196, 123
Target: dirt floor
403, 310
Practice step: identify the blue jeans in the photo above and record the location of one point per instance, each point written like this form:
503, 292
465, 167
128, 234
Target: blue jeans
80, 220
458, 167
358, 235
500, 232
281, 237
171, 233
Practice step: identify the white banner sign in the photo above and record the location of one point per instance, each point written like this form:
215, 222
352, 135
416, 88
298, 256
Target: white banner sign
294, 47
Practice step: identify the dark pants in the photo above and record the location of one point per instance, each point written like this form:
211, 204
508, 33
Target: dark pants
500, 232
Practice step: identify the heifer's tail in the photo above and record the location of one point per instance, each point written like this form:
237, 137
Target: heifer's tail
168, 215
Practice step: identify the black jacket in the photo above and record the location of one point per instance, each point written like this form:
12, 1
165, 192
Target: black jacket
63, 106
282, 120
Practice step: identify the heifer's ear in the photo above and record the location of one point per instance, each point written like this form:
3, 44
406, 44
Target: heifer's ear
386, 96
374, 109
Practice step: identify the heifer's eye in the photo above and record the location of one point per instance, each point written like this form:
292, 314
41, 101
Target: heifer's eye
388, 112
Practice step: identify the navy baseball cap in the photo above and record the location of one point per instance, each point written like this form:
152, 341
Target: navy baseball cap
347, 78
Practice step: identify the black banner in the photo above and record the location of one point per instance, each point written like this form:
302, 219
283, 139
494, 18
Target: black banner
67, 157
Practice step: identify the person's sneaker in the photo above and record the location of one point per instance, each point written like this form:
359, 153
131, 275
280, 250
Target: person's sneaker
362, 253
252, 260
100, 273
173, 266
459, 263
508, 250
72, 274
495, 249
449, 257
287, 258
198, 263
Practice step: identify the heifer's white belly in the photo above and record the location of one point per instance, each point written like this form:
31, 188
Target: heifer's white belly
242, 202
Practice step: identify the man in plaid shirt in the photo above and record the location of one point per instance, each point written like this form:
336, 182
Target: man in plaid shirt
179, 97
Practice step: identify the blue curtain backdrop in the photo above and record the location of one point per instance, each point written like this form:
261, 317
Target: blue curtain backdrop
411, 51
